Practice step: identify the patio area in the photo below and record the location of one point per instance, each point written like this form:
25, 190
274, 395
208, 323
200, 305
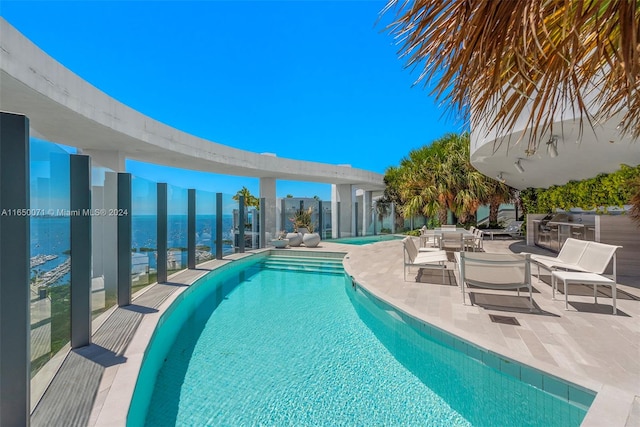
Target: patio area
586, 345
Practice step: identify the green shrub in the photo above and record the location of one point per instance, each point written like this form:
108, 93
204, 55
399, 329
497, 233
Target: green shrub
604, 190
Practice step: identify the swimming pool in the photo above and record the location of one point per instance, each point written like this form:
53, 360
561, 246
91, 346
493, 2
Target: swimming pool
365, 240
283, 342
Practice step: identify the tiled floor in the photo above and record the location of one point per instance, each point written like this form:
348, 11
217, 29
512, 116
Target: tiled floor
586, 345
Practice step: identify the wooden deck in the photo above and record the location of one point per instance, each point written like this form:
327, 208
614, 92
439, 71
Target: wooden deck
70, 397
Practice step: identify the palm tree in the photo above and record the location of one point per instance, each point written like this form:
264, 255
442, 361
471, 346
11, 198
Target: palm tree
498, 193
437, 178
496, 60
249, 199
393, 179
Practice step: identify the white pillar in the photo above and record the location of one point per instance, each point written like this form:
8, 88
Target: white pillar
268, 191
345, 194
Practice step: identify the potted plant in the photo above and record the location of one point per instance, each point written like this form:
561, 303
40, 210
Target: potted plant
311, 239
304, 225
301, 220
281, 242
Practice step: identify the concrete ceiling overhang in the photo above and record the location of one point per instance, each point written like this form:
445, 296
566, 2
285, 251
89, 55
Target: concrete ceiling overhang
601, 149
64, 108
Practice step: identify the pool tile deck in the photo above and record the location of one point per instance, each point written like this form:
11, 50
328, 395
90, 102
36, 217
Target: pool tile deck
586, 345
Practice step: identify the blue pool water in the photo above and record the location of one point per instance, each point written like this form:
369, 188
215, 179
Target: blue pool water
277, 345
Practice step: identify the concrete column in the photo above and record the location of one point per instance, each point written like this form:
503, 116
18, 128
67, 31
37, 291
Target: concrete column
241, 221
191, 228
111, 159
161, 232
269, 210
218, 236
367, 209
15, 334
262, 227
345, 194
393, 218
356, 207
320, 229
124, 239
374, 217
80, 203
283, 217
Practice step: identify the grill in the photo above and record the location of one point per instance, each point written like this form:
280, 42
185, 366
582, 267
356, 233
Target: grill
551, 231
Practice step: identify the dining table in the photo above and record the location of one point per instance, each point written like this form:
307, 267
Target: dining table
439, 232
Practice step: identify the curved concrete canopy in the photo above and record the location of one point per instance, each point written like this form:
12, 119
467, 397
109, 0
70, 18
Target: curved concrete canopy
64, 108
581, 155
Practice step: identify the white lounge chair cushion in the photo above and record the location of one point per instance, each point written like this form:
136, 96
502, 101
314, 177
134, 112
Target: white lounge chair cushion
570, 253
496, 270
433, 257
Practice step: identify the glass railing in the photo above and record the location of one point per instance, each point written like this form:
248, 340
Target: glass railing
325, 225
290, 206
205, 226
250, 227
383, 224
176, 228
50, 241
104, 226
144, 232
229, 232
271, 226
50, 252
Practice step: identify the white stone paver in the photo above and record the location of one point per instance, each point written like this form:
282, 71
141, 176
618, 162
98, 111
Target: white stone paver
586, 345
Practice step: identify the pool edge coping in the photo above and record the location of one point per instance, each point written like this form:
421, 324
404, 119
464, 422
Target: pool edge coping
606, 395
117, 385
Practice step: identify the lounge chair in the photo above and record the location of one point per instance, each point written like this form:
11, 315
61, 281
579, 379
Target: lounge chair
475, 243
495, 271
428, 240
567, 258
514, 229
452, 241
435, 259
583, 257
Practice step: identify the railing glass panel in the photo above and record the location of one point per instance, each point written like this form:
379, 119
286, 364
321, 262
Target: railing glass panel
176, 228
229, 230
205, 226
292, 205
326, 225
271, 223
382, 218
104, 226
50, 253
144, 233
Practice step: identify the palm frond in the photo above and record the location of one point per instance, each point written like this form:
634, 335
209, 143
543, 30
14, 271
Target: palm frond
495, 61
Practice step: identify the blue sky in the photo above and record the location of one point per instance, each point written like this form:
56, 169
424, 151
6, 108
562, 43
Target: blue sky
308, 80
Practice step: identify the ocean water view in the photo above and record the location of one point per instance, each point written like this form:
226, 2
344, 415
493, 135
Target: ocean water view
51, 242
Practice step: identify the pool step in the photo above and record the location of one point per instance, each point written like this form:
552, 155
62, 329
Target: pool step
314, 264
